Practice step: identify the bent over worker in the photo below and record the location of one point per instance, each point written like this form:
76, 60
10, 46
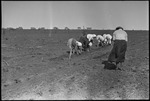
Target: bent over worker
117, 54
84, 40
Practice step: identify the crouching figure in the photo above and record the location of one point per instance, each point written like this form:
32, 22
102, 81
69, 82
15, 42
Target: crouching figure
75, 46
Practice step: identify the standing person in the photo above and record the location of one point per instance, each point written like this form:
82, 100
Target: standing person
118, 51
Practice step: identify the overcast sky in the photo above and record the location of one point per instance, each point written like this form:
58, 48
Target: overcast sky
73, 14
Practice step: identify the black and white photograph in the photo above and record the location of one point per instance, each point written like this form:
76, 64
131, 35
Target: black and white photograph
75, 50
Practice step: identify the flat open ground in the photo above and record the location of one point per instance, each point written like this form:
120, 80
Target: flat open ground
35, 66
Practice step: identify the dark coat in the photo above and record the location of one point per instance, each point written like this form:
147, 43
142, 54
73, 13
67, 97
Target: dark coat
85, 42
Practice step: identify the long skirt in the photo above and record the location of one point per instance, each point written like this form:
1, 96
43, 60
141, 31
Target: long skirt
118, 52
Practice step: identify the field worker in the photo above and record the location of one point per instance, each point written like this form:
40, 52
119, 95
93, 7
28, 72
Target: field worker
105, 39
94, 37
118, 51
108, 37
91, 37
100, 40
74, 46
84, 40
104, 35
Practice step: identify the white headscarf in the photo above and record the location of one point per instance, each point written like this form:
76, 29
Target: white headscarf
79, 43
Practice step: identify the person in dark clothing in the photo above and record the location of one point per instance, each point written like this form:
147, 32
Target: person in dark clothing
117, 54
85, 42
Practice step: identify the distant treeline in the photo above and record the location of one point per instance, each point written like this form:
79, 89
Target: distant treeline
63, 31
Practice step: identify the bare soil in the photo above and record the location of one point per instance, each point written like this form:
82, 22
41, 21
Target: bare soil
35, 66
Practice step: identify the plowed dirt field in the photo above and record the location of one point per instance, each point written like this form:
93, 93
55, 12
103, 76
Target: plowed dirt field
35, 65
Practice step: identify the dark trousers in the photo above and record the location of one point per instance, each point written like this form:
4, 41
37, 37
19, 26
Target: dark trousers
118, 51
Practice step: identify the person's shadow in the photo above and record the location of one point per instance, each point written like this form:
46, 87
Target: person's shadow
109, 66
